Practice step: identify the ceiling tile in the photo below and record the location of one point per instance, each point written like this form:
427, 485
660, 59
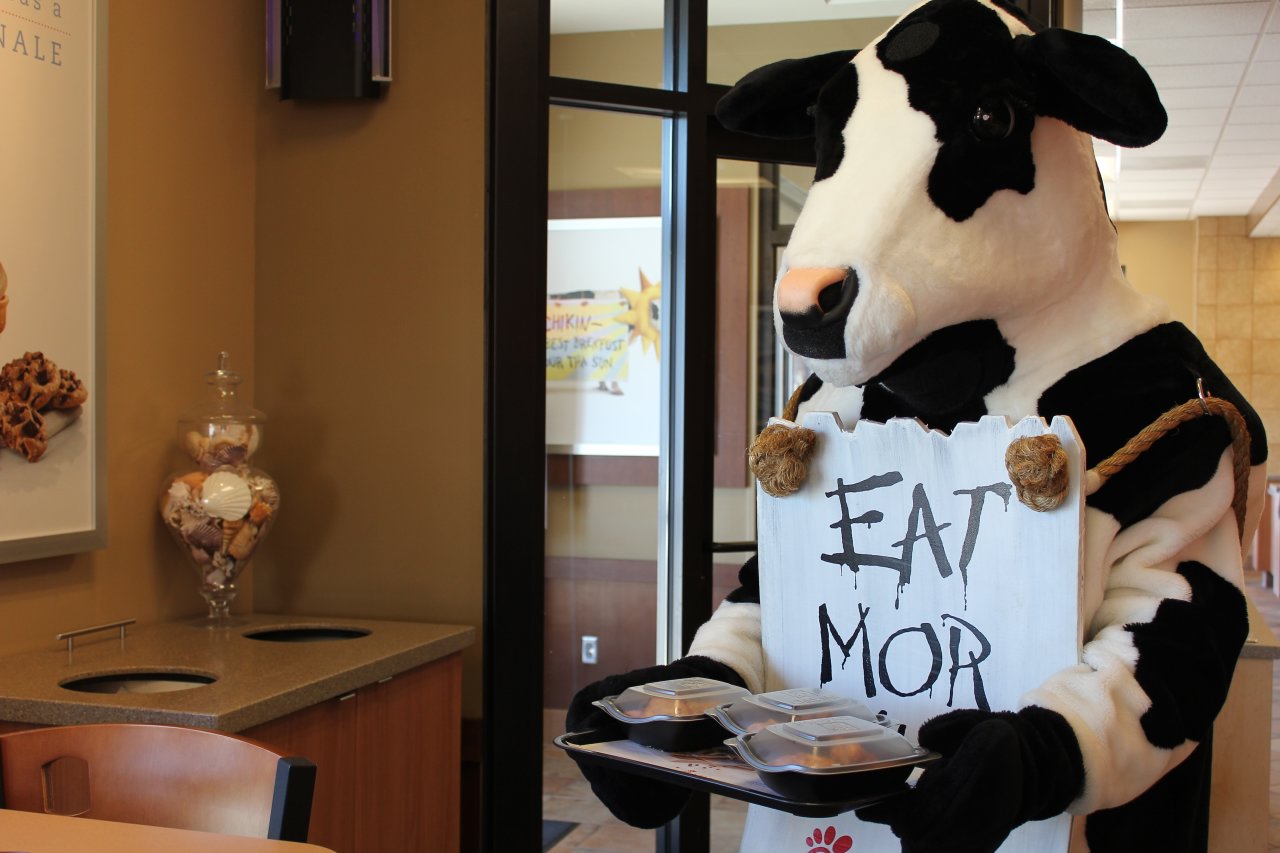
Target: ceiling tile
1200, 74
1153, 214
1099, 23
1236, 132
1206, 133
1268, 48
1217, 96
1259, 96
1164, 150
1195, 20
1263, 73
1238, 147
1253, 115
1176, 51
1146, 4
1198, 118
1221, 208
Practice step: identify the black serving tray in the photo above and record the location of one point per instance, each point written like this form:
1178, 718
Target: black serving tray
574, 743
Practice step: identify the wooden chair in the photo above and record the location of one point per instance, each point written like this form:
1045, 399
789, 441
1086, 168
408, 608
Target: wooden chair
158, 776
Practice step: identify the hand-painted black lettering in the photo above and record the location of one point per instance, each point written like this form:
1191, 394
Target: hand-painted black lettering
850, 556
935, 649
984, 652
921, 511
827, 632
976, 498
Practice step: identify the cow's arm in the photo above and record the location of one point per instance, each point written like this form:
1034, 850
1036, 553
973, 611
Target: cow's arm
732, 635
1162, 643
1166, 619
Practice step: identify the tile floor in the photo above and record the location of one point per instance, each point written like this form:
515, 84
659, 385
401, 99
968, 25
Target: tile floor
566, 796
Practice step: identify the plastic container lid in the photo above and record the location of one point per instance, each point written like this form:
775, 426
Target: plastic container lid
825, 745
678, 698
753, 713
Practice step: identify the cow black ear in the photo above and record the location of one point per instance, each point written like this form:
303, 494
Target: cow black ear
1093, 86
776, 101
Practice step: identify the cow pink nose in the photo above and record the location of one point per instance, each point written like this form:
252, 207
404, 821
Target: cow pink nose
803, 289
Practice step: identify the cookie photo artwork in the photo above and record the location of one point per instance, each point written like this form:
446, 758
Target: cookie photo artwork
53, 471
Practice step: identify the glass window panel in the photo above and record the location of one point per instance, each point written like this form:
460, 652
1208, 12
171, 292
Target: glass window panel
744, 36
604, 345
756, 205
608, 42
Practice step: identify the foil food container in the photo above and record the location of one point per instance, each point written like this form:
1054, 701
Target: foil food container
672, 715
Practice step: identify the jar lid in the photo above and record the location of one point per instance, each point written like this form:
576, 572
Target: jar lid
223, 430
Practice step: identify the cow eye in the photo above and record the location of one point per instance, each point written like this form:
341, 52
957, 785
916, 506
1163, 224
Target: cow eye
992, 119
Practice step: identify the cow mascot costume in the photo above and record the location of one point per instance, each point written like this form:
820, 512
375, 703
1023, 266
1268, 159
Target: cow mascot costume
955, 259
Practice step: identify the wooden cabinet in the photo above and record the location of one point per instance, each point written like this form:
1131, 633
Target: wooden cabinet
388, 761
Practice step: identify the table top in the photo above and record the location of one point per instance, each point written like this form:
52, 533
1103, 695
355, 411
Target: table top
33, 832
255, 680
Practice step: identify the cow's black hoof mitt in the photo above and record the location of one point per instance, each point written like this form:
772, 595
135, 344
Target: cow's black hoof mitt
997, 771
632, 799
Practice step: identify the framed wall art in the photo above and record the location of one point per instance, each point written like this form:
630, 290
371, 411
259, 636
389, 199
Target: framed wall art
52, 271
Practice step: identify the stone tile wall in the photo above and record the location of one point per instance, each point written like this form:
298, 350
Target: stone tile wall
1238, 314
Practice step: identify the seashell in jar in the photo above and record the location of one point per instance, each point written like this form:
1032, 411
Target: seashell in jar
194, 445
259, 512
246, 539
201, 557
226, 453
174, 501
229, 531
266, 491
202, 534
193, 479
226, 495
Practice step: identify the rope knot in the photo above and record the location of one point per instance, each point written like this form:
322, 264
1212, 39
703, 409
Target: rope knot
1037, 467
779, 457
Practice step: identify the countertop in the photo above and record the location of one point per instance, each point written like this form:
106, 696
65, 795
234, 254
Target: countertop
256, 680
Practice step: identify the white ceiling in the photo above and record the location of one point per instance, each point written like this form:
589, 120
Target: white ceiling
1216, 64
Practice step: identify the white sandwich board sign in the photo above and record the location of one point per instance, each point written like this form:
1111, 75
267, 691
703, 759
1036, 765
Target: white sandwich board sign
906, 574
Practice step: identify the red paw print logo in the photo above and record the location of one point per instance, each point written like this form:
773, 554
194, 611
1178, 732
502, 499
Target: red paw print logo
826, 842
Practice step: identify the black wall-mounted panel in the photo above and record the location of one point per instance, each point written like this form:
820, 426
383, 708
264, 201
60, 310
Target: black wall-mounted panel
325, 50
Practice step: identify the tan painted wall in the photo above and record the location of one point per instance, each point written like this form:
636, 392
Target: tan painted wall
370, 253
1160, 259
179, 288
1238, 307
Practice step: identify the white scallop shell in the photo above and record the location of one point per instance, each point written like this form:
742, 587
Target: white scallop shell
226, 495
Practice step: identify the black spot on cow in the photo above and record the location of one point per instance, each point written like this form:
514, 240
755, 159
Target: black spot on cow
833, 109
968, 83
943, 379
1114, 397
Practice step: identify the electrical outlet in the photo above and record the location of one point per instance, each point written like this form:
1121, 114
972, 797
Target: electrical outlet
590, 649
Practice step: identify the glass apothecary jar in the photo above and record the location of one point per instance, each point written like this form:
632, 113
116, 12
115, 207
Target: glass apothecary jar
221, 508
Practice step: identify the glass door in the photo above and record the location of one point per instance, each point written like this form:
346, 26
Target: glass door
646, 238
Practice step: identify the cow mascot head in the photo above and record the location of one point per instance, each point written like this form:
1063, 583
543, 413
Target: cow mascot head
956, 215
954, 258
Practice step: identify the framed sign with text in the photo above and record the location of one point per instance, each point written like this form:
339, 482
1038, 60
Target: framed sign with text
52, 253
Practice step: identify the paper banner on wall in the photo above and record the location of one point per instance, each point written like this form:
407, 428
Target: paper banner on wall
906, 574
604, 332
585, 341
